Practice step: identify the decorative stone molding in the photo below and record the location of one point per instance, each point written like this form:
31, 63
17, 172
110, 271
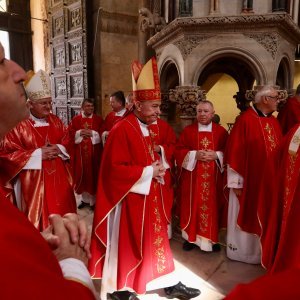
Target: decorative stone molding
269, 41
281, 23
113, 22
187, 98
165, 103
186, 45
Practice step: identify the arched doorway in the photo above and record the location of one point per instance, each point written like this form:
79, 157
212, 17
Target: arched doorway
225, 80
169, 79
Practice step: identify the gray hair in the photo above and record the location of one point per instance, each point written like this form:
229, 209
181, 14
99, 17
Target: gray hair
264, 91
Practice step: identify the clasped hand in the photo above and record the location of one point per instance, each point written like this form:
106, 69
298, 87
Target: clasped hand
50, 152
86, 133
206, 155
159, 170
68, 237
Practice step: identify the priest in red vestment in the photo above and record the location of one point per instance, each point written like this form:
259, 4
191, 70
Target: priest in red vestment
289, 114
85, 150
255, 135
35, 161
199, 155
130, 246
117, 102
279, 211
29, 269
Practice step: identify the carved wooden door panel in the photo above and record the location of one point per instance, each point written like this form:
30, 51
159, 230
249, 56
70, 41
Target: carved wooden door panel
68, 56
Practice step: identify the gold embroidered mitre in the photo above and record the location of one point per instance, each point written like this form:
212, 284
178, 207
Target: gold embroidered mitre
37, 85
145, 81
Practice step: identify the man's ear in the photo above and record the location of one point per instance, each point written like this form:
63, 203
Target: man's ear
138, 105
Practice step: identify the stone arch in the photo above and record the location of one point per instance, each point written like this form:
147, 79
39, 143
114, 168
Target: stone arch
171, 54
284, 73
169, 79
243, 60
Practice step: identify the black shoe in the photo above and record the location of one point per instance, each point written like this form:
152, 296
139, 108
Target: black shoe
188, 246
216, 247
181, 291
123, 295
82, 205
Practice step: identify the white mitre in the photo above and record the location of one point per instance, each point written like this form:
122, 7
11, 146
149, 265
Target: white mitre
37, 85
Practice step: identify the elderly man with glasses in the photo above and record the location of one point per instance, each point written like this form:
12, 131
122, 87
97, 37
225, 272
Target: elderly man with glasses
255, 135
34, 158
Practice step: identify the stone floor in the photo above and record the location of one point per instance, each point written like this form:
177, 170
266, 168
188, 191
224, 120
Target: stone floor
213, 273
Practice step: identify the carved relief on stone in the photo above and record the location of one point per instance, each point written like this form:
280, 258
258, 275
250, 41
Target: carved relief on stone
56, 2
60, 87
59, 58
76, 86
151, 21
74, 111
58, 26
75, 52
62, 113
75, 18
187, 98
269, 41
187, 45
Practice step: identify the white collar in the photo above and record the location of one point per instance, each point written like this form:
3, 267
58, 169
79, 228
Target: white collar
205, 127
84, 116
144, 127
120, 113
38, 122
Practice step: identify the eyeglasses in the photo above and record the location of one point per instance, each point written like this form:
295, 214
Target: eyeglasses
273, 97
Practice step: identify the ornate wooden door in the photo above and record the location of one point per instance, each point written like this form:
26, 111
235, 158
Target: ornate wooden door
67, 26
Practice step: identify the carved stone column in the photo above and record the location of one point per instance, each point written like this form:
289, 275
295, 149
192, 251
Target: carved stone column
214, 7
279, 5
187, 98
165, 105
185, 8
247, 6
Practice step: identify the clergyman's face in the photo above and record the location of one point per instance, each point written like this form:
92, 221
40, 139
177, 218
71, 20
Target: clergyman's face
88, 108
205, 113
148, 111
13, 107
41, 108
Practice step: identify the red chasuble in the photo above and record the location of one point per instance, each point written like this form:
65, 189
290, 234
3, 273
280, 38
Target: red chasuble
289, 114
29, 270
250, 144
45, 191
143, 248
110, 121
280, 220
85, 157
200, 196
283, 285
